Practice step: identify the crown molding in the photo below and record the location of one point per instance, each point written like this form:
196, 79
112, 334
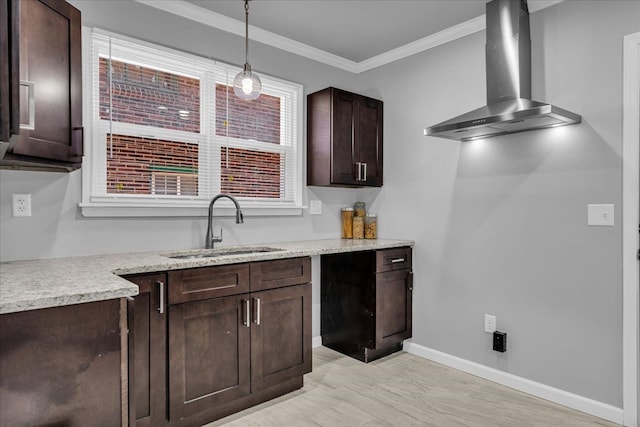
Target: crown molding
452, 33
233, 26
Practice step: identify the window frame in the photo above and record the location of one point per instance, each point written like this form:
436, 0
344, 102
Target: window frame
209, 72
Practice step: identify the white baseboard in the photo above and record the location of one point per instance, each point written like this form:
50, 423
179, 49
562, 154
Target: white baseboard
574, 401
316, 342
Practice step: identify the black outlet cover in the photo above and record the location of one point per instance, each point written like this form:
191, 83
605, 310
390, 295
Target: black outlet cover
500, 341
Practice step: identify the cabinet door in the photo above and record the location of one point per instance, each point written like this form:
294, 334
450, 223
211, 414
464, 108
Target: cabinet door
209, 354
148, 352
343, 133
369, 141
51, 81
61, 366
280, 335
9, 77
394, 291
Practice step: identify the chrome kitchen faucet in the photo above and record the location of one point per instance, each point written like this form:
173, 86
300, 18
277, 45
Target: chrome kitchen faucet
210, 239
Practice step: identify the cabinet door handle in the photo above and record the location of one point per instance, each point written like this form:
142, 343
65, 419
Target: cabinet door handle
247, 313
410, 282
161, 291
257, 304
358, 173
31, 105
364, 173
77, 148
397, 260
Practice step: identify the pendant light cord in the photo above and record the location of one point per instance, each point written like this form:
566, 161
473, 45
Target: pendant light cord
246, 31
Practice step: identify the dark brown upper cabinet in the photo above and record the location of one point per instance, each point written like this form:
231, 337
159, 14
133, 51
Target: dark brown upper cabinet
344, 139
44, 85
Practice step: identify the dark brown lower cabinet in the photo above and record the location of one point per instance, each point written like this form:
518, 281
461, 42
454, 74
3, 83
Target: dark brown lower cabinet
224, 352
366, 302
61, 366
230, 337
147, 373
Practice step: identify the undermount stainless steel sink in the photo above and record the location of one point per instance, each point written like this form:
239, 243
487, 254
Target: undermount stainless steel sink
221, 252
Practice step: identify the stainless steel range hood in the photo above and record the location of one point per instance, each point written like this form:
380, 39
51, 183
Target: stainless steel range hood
509, 106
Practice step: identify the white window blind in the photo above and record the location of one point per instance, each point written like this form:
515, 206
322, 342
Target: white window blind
168, 132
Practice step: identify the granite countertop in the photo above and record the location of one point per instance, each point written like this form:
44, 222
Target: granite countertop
42, 283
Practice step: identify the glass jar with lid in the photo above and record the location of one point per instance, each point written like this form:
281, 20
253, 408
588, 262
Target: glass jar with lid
358, 227
359, 209
371, 226
347, 223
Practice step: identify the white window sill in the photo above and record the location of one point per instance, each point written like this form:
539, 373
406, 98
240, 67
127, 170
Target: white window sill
94, 210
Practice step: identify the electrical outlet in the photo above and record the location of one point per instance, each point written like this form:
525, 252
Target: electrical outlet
489, 323
21, 204
500, 341
315, 207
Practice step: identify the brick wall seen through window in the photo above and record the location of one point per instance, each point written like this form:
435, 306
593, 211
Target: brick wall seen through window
250, 173
130, 167
149, 97
145, 96
259, 119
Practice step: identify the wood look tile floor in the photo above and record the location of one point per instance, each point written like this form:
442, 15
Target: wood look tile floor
402, 390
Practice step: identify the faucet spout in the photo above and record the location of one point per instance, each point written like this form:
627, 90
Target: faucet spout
210, 239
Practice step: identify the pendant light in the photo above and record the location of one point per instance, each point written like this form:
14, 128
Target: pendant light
247, 85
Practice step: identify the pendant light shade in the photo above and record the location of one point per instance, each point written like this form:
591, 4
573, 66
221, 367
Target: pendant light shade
247, 85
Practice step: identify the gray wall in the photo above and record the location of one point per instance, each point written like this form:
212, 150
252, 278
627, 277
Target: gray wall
500, 226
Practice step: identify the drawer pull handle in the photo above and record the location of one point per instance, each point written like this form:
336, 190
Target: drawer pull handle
247, 313
161, 291
397, 260
256, 320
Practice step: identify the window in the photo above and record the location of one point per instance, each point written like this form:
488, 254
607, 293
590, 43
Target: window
174, 183
167, 134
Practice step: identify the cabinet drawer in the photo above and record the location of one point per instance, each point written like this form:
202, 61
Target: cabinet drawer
279, 273
207, 282
393, 259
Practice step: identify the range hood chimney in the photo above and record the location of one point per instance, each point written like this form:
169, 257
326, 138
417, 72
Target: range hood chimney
509, 106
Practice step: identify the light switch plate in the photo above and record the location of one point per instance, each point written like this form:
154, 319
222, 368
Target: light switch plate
601, 215
489, 323
315, 207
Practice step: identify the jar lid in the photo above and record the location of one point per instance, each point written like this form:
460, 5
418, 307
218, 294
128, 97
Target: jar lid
371, 215
347, 209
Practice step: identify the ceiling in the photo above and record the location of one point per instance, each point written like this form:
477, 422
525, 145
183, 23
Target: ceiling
355, 35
